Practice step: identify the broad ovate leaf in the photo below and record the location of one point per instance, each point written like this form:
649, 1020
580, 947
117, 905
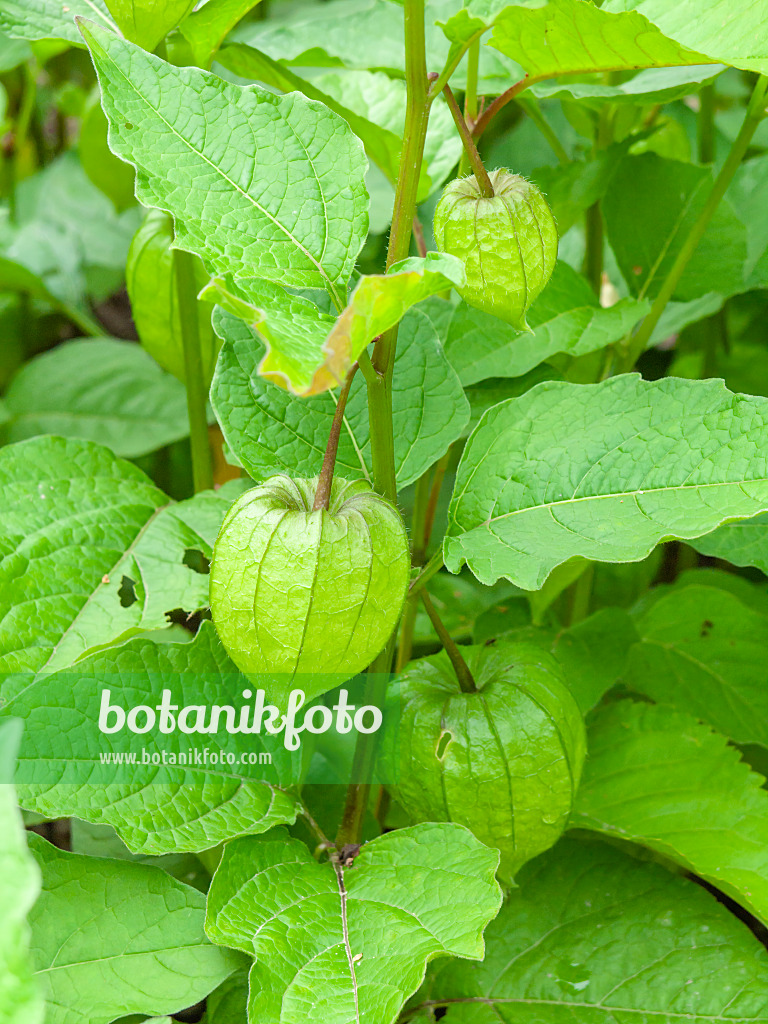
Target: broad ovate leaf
566, 318
659, 778
594, 936
50, 19
351, 943
258, 185
733, 31
92, 552
566, 37
308, 351
605, 472
101, 390
112, 938
186, 805
702, 650
269, 432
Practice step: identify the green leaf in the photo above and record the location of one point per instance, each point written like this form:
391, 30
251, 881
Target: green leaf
372, 103
644, 782
50, 19
604, 471
566, 318
567, 37
101, 390
99, 554
307, 350
702, 650
160, 809
270, 431
206, 28
229, 1003
595, 937
146, 22
742, 543
593, 654
151, 283
356, 944
110, 175
649, 208
654, 85
733, 31
70, 512
19, 886
112, 938
300, 220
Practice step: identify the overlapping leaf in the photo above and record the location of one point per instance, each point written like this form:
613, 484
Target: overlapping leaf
603, 471
566, 318
112, 938
702, 650
91, 552
259, 185
50, 19
351, 944
101, 390
742, 543
733, 31
270, 432
566, 37
593, 936
172, 807
372, 103
307, 350
207, 27
659, 778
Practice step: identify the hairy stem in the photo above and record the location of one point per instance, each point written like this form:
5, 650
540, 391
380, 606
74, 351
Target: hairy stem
754, 115
484, 182
197, 394
460, 667
325, 480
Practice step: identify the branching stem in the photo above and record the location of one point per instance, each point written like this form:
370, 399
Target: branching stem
483, 181
460, 667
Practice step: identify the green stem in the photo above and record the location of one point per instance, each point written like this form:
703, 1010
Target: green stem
483, 181
460, 667
593, 254
87, 324
501, 101
754, 115
581, 595
325, 480
197, 392
418, 519
380, 386
434, 565
470, 98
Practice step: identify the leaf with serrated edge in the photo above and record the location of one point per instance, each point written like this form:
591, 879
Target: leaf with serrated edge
112, 938
309, 352
593, 936
351, 944
169, 808
259, 185
659, 778
568, 37
702, 650
566, 318
270, 432
604, 471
